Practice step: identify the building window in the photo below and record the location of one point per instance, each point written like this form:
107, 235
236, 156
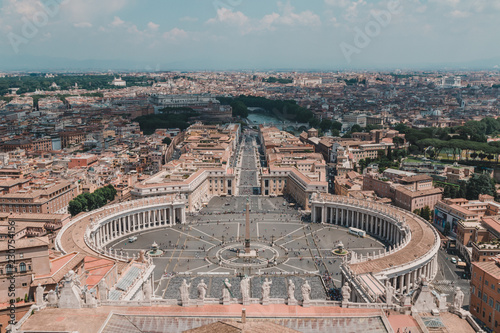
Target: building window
491, 302
22, 267
485, 297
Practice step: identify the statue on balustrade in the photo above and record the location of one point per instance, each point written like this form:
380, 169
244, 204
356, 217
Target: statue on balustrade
458, 300
202, 290
346, 292
184, 289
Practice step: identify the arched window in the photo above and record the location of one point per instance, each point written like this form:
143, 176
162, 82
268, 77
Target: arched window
22, 267
9, 269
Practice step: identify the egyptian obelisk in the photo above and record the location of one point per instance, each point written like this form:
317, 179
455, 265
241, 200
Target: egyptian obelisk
247, 229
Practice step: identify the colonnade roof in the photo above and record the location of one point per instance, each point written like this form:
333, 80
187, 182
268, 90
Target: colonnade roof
73, 238
422, 239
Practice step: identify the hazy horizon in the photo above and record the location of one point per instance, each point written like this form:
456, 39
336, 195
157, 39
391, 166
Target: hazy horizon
320, 35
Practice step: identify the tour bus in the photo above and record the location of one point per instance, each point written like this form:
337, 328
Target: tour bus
132, 239
357, 232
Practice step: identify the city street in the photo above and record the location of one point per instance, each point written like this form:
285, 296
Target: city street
248, 175
449, 277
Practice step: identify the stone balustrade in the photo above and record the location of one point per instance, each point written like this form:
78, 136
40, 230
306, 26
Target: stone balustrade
108, 223
413, 249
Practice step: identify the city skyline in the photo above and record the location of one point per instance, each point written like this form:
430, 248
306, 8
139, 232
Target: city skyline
244, 35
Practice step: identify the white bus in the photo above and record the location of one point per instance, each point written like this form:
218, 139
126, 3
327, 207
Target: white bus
357, 232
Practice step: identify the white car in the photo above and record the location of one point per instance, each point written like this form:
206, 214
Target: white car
453, 260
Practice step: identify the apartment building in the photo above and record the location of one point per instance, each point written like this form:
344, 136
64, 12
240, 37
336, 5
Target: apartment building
485, 292
31, 257
44, 197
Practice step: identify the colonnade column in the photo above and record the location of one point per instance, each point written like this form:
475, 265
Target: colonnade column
407, 276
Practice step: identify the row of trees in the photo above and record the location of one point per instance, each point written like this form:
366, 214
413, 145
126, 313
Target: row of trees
384, 161
150, 123
32, 82
86, 202
273, 79
472, 149
424, 213
288, 108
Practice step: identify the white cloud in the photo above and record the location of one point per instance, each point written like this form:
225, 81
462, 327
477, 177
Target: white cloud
26, 8
227, 16
153, 26
175, 34
459, 14
117, 22
83, 25
290, 18
337, 3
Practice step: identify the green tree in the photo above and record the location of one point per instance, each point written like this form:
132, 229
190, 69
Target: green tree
166, 140
425, 213
356, 128
239, 109
325, 125
75, 207
336, 125
479, 184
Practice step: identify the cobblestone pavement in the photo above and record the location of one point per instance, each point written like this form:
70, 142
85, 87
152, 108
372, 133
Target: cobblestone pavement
307, 246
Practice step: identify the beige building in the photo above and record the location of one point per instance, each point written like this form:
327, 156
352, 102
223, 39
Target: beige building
46, 197
31, 256
202, 171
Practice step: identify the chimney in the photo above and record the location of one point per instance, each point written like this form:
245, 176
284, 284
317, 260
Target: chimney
243, 316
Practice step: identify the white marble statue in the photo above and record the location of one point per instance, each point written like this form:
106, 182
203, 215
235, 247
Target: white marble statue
39, 295
291, 291
52, 298
245, 289
202, 290
458, 299
226, 292
184, 289
306, 291
346, 292
266, 290
146, 290
389, 292
103, 290
70, 297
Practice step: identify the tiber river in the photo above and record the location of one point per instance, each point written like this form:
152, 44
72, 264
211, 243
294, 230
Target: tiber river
257, 118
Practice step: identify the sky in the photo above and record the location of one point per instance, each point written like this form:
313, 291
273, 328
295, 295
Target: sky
161, 35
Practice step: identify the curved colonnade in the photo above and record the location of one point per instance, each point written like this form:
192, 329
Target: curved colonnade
104, 225
412, 253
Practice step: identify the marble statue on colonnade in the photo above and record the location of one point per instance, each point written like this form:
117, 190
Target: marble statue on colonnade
291, 293
306, 294
226, 292
146, 289
245, 290
202, 290
266, 291
346, 292
389, 292
184, 289
458, 299
39, 295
